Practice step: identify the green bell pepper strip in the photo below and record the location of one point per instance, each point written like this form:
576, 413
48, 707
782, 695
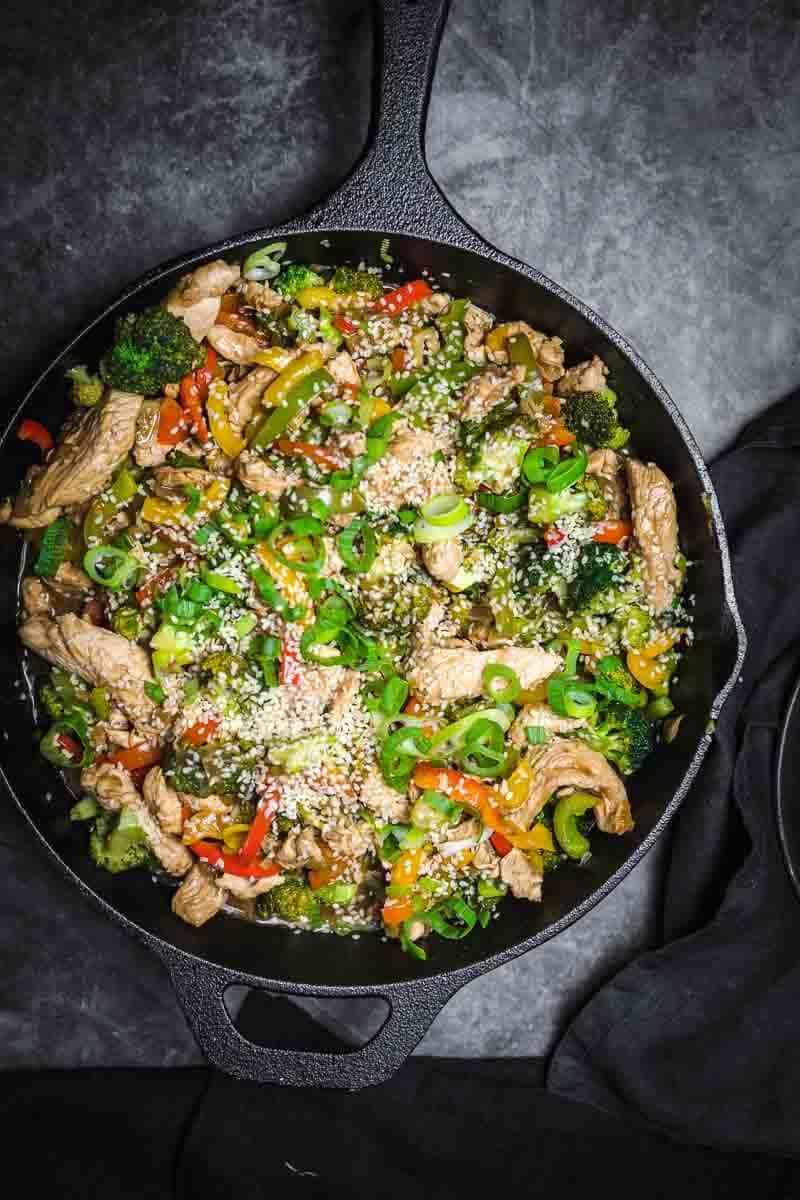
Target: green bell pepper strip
336, 893
565, 816
433, 810
536, 735
281, 417
74, 732
568, 471
53, 548
94, 523
121, 573
454, 907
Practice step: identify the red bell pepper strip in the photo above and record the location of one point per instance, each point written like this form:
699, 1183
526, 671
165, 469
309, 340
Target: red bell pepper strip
69, 745
553, 536
171, 423
209, 371
267, 807
464, 789
201, 732
344, 324
317, 454
147, 592
613, 532
501, 844
232, 864
134, 758
291, 672
34, 431
192, 401
402, 297
398, 359
394, 912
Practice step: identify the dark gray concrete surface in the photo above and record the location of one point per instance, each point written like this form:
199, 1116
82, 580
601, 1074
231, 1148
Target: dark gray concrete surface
646, 155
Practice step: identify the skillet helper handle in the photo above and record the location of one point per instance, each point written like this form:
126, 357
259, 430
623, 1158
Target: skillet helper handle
201, 988
390, 186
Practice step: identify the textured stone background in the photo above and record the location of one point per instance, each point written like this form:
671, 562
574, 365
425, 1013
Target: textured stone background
644, 154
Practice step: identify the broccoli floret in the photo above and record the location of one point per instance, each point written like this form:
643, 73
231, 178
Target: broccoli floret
519, 608
291, 901
294, 278
622, 735
152, 348
304, 324
87, 390
592, 417
348, 281
546, 507
596, 504
496, 462
600, 566
117, 842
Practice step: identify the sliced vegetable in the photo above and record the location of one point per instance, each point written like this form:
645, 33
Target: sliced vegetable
201, 732
171, 423
53, 548
613, 532
500, 682
317, 454
232, 864
296, 394
565, 816
402, 297
112, 568
264, 263
568, 471
221, 430
358, 532
35, 431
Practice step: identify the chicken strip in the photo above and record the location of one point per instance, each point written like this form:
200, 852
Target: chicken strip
113, 787
655, 529
587, 376
199, 898
102, 658
163, 801
196, 298
94, 442
564, 763
440, 674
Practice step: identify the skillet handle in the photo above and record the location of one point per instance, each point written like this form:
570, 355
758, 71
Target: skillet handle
390, 186
200, 989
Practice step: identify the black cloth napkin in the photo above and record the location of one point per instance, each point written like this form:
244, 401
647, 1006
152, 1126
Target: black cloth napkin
699, 1038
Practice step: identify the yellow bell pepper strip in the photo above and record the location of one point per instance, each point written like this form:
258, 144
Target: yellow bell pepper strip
537, 838
275, 357
316, 297
406, 869
513, 792
168, 512
662, 644
229, 442
291, 585
647, 671
496, 339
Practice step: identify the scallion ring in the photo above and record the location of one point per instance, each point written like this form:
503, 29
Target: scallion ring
538, 462
501, 504
395, 694
346, 543
301, 553
112, 568
335, 415
445, 510
425, 534
264, 263
501, 683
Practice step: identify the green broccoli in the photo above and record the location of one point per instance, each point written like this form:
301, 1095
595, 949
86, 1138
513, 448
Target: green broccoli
600, 566
87, 390
117, 842
622, 735
151, 349
592, 417
295, 277
291, 901
546, 507
495, 462
596, 504
347, 280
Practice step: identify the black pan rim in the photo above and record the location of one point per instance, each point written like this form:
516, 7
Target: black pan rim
453, 978
782, 788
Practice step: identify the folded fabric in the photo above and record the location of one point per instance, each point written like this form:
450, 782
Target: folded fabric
698, 1039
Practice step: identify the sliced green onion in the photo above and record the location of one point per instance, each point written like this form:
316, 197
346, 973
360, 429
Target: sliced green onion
245, 624
198, 592
407, 516
484, 752
156, 692
337, 893
112, 568
221, 583
573, 654
449, 740
307, 551
567, 472
346, 541
59, 755
437, 918
501, 683
264, 263
269, 593
316, 636
53, 548
379, 435
399, 754
336, 414
395, 694
425, 534
536, 735
570, 698
501, 504
578, 702
86, 808
433, 810
538, 462
445, 510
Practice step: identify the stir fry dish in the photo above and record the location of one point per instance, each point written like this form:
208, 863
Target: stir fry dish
358, 608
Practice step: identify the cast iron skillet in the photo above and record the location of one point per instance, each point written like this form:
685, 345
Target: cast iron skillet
786, 776
389, 193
